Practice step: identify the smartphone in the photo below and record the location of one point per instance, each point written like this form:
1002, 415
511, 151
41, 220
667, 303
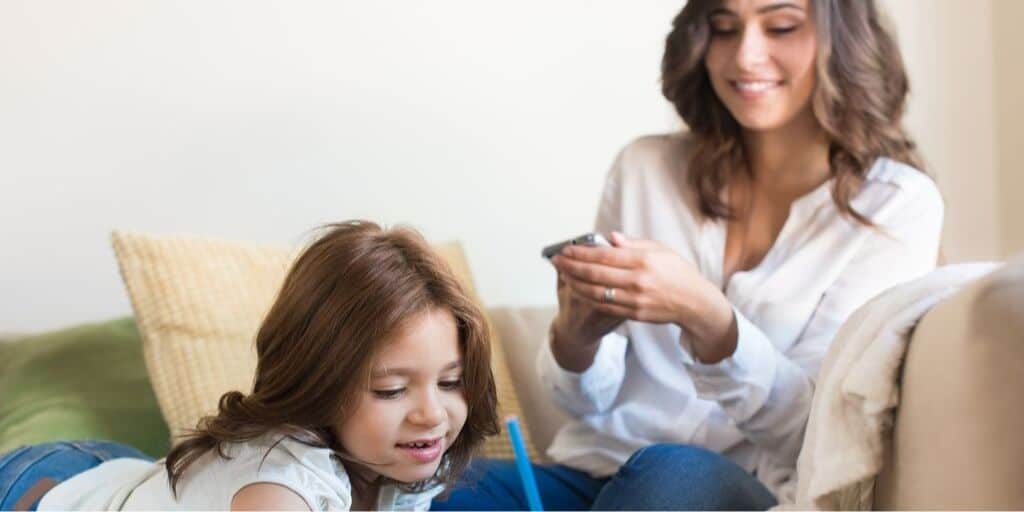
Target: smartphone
589, 239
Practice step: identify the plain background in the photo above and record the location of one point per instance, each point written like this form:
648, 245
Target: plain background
488, 122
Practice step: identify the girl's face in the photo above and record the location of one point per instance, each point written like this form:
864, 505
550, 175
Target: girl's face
761, 60
415, 405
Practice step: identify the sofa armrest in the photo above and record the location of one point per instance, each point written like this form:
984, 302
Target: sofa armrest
957, 439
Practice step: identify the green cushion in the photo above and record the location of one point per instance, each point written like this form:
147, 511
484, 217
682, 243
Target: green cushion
86, 382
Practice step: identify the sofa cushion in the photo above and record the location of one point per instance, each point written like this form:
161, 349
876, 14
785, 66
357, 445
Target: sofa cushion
85, 382
199, 303
523, 331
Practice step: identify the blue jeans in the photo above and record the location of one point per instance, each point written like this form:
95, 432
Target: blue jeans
658, 477
37, 468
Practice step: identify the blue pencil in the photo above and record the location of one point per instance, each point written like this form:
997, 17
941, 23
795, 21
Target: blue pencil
523, 464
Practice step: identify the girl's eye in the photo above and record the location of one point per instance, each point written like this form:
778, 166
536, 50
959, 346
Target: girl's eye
449, 385
388, 394
781, 30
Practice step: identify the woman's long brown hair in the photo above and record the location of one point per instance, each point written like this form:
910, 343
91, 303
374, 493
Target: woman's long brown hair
349, 290
859, 100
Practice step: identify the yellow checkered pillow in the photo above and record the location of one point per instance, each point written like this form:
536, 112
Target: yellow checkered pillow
198, 304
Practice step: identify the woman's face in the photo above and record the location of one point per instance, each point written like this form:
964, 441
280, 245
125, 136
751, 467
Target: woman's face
415, 406
761, 60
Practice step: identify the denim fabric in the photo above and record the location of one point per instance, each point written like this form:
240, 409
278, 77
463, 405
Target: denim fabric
658, 477
491, 484
21, 468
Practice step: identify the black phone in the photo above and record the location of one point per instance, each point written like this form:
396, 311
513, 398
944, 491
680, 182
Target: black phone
589, 239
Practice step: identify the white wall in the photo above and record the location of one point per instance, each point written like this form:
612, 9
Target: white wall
947, 47
488, 122
1009, 47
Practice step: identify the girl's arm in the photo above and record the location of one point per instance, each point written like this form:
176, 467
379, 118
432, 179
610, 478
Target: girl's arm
267, 496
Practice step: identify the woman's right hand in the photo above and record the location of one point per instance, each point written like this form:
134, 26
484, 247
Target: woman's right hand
577, 330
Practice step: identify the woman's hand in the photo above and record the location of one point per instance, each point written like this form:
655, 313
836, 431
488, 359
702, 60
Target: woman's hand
578, 328
650, 282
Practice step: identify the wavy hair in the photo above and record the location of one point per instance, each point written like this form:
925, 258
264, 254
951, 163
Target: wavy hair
345, 295
859, 100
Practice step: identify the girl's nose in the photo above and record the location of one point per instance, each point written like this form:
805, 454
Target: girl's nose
429, 411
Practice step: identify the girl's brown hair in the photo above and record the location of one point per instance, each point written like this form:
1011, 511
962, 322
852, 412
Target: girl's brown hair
351, 289
859, 100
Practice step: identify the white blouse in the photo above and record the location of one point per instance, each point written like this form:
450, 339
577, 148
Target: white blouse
644, 387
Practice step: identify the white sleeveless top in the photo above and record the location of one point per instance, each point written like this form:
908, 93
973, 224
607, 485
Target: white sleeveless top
212, 481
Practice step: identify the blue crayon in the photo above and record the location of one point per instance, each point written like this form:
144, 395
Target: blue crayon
523, 464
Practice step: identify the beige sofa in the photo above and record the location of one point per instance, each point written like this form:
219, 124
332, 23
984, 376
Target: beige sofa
958, 440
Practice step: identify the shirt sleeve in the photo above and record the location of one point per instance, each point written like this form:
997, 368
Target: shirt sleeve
766, 392
255, 464
594, 390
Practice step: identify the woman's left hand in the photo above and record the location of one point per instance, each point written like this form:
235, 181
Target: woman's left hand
652, 283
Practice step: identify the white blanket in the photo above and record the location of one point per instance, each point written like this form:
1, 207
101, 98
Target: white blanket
858, 389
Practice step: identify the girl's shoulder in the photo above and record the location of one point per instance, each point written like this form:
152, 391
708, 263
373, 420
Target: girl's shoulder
279, 452
314, 473
281, 446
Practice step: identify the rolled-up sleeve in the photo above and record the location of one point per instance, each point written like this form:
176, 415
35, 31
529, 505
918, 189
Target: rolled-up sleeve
592, 391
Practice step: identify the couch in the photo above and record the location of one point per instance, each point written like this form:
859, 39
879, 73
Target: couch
958, 437
956, 442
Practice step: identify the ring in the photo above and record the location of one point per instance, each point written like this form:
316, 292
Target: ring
609, 294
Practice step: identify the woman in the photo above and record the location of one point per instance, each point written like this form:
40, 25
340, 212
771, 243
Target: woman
687, 352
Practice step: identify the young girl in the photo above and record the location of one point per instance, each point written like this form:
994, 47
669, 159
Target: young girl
373, 387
